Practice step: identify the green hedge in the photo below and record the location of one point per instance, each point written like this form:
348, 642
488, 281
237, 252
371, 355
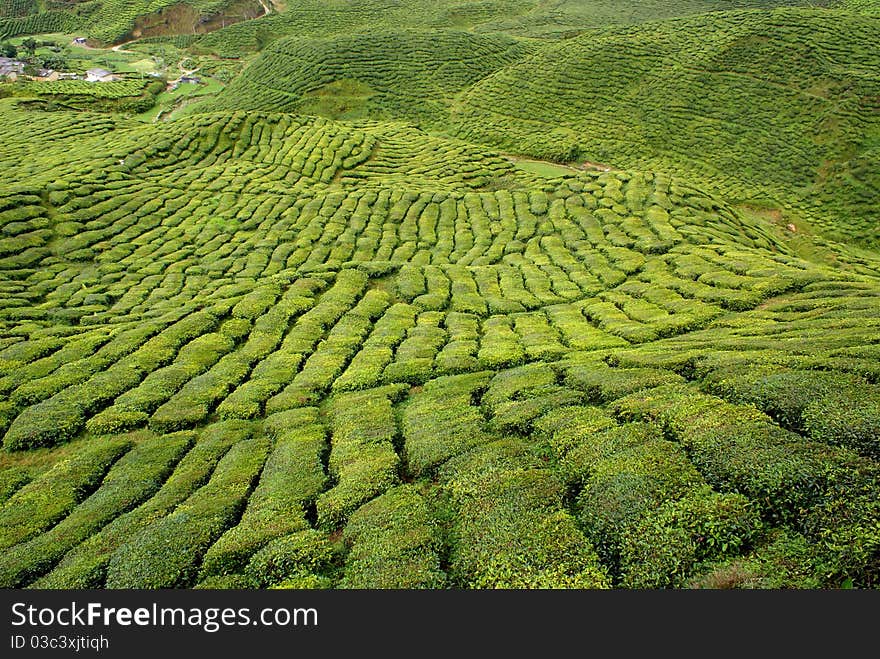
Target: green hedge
835, 408
629, 484
510, 531
738, 448
55, 493
784, 560
291, 480
167, 553
440, 422
662, 550
363, 460
133, 478
602, 384
846, 418
85, 566
567, 427
395, 543
291, 558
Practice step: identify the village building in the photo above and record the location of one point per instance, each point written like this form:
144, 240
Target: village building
47, 75
100, 75
10, 68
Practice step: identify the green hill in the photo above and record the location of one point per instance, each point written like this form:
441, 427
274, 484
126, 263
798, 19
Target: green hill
366, 318
410, 75
771, 109
779, 105
113, 21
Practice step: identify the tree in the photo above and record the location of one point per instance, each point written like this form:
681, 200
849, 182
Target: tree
30, 45
54, 62
8, 50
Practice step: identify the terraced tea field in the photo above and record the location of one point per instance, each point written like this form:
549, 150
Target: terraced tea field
366, 319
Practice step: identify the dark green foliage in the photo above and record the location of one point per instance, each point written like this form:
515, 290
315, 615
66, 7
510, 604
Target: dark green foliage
661, 551
829, 407
294, 556
440, 421
51, 496
167, 552
626, 485
602, 384
292, 478
784, 560
400, 359
85, 566
511, 532
395, 543
738, 448
846, 419
362, 461
133, 478
846, 527
11, 480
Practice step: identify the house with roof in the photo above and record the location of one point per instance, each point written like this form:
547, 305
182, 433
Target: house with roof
100, 75
47, 75
10, 68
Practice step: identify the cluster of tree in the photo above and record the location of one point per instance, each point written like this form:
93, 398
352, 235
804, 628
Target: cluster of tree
27, 50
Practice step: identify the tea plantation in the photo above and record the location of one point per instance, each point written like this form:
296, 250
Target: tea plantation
341, 326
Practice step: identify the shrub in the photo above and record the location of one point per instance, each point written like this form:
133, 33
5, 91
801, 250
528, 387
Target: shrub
511, 533
737, 448
133, 478
167, 552
625, 486
362, 458
85, 565
569, 426
784, 560
48, 423
587, 450
602, 384
394, 543
661, 551
845, 525
291, 557
439, 421
847, 419
51, 496
13, 479
291, 480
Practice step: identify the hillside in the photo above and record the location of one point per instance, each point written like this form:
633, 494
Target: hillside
365, 317
779, 105
770, 109
113, 21
377, 75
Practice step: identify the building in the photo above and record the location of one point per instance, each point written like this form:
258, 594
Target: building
192, 80
47, 75
10, 68
80, 41
100, 75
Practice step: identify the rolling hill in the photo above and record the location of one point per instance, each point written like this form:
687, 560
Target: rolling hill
449, 295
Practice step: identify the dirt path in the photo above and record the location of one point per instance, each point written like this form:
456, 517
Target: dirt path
586, 164
183, 73
118, 48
